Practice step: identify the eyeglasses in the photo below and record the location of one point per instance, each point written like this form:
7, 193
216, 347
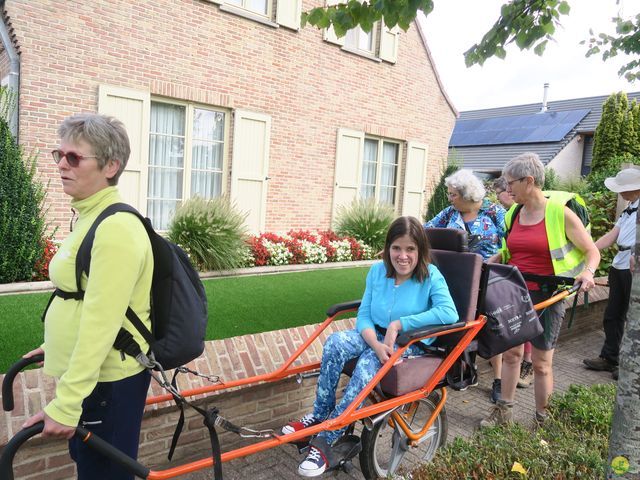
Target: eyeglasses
500, 192
73, 159
514, 181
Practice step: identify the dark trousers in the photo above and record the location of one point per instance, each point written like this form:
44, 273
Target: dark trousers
113, 411
615, 315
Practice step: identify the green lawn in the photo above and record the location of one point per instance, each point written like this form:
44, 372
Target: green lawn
237, 306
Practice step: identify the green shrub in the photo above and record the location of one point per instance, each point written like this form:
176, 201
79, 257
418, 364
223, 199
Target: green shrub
439, 200
571, 444
22, 223
577, 185
212, 232
602, 211
551, 179
366, 221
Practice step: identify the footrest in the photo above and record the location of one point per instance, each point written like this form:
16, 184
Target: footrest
340, 453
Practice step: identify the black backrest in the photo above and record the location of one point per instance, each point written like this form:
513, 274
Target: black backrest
451, 239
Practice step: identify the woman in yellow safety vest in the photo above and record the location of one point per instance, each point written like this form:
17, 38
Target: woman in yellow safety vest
545, 238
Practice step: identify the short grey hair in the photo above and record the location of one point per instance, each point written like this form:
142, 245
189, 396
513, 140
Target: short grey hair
107, 137
526, 165
467, 184
500, 183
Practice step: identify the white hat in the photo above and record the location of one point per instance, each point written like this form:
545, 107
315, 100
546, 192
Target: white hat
626, 180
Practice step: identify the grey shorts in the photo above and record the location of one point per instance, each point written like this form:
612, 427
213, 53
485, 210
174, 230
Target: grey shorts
551, 321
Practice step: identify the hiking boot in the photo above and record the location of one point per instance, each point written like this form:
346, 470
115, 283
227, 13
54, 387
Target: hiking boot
614, 373
526, 374
496, 390
540, 418
600, 364
501, 414
314, 464
305, 422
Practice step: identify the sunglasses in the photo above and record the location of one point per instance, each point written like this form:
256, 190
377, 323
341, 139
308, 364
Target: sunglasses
73, 159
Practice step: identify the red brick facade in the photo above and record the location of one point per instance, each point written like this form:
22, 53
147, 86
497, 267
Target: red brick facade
193, 50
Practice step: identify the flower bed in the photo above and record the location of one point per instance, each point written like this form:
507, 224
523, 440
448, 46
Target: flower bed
302, 246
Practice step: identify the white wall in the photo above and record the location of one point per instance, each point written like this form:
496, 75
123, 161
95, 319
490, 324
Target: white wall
567, 164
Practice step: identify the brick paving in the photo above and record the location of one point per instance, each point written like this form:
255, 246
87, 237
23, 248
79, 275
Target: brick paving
464, 409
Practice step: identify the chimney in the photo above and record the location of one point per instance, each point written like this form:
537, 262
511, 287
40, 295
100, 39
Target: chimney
544, 98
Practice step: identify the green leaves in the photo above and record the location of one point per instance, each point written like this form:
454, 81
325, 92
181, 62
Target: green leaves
346, 16
528, 23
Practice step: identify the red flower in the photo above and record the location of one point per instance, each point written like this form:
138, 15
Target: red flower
41, 268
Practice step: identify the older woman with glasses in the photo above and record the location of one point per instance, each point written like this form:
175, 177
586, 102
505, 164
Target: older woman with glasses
97, 388
484, 223
540, 227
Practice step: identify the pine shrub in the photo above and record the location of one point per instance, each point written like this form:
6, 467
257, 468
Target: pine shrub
366, 221
212, 232
22, 223
439, 200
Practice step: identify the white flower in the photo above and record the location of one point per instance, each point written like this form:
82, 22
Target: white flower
313, 253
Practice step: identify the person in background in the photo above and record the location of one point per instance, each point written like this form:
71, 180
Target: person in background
546, 238
403, 292
97, 388
484, 223
526, 369
623, 234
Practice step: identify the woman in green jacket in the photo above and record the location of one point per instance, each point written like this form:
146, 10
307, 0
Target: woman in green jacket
97, 387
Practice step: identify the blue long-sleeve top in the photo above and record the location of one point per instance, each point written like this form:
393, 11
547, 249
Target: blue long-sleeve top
415, 304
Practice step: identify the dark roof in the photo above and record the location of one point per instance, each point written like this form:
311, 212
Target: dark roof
492, 157
530, 128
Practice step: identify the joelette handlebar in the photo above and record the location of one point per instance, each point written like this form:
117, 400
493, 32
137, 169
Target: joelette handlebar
93, 441
7, 383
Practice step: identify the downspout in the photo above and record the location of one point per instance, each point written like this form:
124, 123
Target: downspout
14, 71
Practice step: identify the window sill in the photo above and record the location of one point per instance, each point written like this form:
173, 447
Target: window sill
361, 53
248, 15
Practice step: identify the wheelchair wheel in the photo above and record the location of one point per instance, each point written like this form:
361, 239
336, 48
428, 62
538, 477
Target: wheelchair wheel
384, 447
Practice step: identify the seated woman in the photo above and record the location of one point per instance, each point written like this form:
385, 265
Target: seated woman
404, 292
484, 223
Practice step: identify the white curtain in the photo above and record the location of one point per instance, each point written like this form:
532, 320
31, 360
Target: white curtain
388, 173
166, 162
207, 153
369, 166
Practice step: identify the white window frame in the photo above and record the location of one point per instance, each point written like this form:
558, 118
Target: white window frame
188, 144
243, 6
358, 33
381, 141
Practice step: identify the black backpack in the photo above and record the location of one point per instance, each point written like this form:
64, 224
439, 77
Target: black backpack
178, 300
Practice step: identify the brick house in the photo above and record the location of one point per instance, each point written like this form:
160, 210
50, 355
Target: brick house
232, 97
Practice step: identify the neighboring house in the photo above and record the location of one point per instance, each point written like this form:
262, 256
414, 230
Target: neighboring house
560, 132
232, 98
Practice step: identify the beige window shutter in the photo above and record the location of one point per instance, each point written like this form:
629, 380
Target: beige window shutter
349, 151
329, 34
414, 179
288, 13
250, 166
389, 43
132, 108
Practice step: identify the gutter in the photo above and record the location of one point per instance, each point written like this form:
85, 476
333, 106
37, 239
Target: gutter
14, 71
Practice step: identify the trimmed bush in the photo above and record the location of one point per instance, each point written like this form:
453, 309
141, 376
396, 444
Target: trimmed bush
366, 221
572, 443
212, 232
439, 200
22, 223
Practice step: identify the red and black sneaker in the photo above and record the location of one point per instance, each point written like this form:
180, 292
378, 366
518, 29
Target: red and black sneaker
305, 422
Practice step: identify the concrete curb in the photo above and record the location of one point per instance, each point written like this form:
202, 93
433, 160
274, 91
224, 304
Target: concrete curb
34, 287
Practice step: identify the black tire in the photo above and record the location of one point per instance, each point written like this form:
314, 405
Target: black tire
378, 443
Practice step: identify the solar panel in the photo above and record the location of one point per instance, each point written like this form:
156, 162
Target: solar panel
530, 128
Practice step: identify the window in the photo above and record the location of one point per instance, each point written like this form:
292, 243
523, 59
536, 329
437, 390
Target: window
186, 156
380, 170
257, 6
358, 39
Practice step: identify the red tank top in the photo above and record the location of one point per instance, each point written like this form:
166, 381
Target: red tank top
529, 248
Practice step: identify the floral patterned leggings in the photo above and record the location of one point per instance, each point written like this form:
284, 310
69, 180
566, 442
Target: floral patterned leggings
339, 348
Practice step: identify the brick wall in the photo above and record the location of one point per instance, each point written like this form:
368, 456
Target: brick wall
192, 50
261, 406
